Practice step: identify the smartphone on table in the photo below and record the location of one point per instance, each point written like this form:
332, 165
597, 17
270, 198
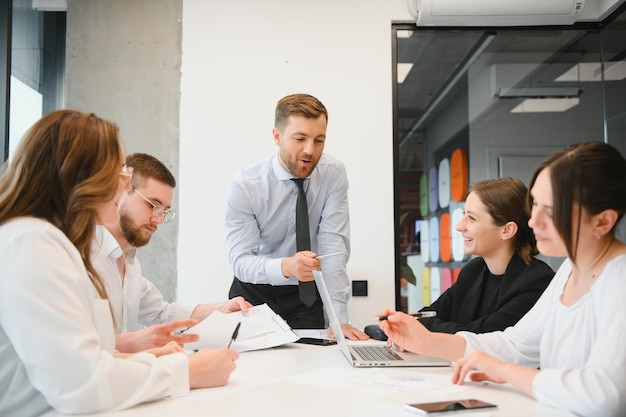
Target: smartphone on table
448, 407
316, 341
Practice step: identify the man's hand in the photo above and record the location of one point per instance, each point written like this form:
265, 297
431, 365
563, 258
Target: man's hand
201, 311
301, 265
235, 304
353, 333
155, 336
170, 347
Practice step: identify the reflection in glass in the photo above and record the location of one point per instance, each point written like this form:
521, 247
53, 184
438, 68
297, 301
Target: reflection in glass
506, 96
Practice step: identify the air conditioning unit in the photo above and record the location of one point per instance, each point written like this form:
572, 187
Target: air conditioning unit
498, 12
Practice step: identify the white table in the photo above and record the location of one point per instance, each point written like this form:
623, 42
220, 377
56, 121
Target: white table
270, 383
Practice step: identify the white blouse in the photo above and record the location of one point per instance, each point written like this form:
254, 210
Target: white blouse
579, 349
57, 336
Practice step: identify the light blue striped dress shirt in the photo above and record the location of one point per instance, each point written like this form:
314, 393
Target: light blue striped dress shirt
260, 224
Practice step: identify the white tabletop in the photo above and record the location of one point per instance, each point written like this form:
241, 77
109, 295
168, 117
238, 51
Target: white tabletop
303, 380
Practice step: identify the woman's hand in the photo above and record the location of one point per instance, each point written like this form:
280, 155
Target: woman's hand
211, 367
404, 331
479, 366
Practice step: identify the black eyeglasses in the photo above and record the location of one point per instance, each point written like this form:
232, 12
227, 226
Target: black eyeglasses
168, 215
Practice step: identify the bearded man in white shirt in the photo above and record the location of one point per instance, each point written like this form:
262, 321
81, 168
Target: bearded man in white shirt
143, 318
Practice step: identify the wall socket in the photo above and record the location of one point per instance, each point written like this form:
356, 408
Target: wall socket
359, 288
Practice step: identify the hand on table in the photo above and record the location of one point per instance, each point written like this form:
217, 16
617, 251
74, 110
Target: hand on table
479, 366
353, 333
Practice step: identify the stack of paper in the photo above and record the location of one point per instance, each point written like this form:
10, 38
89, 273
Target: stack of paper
260, 328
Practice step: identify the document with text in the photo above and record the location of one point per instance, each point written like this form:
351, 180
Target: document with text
260, 328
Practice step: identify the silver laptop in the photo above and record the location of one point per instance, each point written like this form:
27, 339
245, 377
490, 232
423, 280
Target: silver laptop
363, 354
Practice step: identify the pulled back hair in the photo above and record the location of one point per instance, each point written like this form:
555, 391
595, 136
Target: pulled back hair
147, 166
65, 167
505, 199
298, 104
588, 176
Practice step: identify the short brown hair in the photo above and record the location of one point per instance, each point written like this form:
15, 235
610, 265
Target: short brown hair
299, 104
147, 166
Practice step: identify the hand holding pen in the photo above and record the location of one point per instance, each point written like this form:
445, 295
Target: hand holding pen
234, 336
418, 315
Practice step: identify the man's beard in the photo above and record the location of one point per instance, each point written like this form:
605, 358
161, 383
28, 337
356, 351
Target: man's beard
295, 170
131, 233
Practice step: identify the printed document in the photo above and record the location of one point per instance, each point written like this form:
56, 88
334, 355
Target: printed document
261, 328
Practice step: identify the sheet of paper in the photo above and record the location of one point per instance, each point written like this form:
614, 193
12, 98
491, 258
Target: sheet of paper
260, 328
410, 381
379, 381
236, 385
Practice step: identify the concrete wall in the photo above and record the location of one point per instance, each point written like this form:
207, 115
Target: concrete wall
123, 63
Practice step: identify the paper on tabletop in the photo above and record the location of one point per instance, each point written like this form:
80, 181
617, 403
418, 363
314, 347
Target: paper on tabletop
260, 328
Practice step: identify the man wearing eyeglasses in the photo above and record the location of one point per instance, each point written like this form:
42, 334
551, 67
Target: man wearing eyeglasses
143, 318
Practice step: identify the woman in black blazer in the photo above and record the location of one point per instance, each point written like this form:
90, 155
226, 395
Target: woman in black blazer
495, 289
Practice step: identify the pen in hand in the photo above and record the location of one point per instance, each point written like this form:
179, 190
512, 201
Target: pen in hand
417, 315
234, 336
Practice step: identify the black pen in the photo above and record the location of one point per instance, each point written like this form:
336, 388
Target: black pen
417, 315
234, 336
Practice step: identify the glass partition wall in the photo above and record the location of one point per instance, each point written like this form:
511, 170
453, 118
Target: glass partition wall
472, 104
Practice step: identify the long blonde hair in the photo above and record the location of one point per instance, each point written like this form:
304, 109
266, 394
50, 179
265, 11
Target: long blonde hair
66, 165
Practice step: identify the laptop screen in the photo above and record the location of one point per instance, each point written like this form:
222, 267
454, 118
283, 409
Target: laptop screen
333, 319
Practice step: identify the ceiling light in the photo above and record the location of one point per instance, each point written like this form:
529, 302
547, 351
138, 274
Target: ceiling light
545, 105
403, 71
592, 71
538, 92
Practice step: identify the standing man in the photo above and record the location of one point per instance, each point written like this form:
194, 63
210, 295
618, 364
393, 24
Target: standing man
270, 263
143, 318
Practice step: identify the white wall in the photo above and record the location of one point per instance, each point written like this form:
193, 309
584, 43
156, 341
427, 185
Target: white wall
239, 58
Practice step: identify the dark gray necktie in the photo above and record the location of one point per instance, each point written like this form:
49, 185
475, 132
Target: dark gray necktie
307, 289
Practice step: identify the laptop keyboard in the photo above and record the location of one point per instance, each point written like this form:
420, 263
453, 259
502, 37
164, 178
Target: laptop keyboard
377, 353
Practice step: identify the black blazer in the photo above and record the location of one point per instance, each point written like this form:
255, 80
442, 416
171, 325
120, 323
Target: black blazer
457, 307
